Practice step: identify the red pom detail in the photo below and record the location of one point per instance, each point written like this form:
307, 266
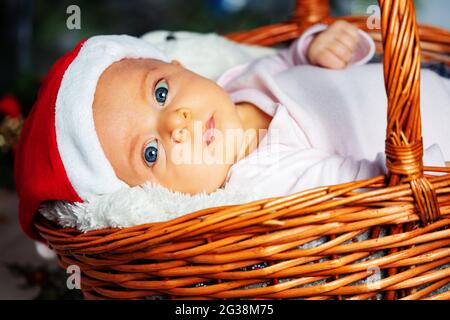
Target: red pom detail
10, 106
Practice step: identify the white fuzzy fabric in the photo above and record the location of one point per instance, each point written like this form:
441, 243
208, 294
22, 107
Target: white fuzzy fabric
207, 54
135, 206
86, 165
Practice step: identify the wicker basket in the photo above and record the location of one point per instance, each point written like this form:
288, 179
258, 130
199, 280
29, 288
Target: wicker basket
256, 250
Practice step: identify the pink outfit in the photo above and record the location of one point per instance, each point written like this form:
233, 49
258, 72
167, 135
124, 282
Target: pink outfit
328, 126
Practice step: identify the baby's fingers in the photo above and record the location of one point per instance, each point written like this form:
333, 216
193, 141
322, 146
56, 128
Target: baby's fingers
340, 28
329, 59
348, 39
342, 51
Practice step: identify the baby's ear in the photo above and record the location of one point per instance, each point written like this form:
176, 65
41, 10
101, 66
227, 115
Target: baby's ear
176, 62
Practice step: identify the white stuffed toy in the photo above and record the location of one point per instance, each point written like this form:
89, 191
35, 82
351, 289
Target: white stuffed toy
206, 54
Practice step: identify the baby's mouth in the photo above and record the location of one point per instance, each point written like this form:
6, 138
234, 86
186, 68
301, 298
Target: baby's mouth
209, 133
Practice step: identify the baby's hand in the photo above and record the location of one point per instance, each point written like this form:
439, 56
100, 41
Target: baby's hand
334, 47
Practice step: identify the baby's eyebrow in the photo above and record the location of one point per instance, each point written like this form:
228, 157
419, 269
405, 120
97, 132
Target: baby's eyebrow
132, 143
144, 81
144, 88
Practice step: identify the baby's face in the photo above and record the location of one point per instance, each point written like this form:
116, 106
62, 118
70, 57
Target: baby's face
152, 120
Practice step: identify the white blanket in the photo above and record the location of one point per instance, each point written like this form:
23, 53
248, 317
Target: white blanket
328, 126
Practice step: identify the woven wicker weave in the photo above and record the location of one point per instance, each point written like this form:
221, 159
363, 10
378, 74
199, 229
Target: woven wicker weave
253, 250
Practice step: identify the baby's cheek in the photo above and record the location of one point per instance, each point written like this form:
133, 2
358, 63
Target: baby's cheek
194, 168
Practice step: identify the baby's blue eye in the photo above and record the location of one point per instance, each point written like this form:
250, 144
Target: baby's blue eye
151, 152
161, 92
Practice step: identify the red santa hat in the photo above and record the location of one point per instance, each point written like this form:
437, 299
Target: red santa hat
59, 156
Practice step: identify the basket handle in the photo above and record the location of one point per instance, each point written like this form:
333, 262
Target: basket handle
404, 146
401, 62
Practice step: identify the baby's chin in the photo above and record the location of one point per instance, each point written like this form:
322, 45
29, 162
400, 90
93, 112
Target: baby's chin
197, 190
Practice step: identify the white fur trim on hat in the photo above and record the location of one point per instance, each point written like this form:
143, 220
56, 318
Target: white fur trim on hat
84, 160
144, 203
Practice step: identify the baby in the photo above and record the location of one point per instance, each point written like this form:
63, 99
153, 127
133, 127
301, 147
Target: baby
164, 102
115, 113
